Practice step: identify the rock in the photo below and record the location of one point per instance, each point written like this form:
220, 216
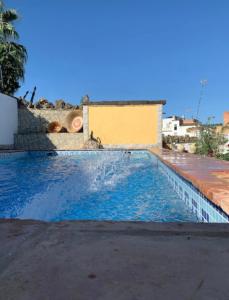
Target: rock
43, 101
92, 144
192, 148
43, 104
37, 105
68, 106
180, 147
51, 105
30, 105
60, 104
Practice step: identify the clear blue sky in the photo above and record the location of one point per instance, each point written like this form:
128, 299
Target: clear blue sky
128, 49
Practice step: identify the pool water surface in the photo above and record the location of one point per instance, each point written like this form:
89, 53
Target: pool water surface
89, 185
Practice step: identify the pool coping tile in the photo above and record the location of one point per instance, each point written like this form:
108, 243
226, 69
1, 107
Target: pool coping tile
209, 175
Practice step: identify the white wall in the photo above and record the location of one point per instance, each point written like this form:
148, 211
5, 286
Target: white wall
169, 125
183, 130
8, 120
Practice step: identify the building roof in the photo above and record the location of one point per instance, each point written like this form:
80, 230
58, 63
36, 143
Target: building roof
173, 117
189, 122
126, 102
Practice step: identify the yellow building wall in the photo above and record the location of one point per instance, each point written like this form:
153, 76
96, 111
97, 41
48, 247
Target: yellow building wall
130, 124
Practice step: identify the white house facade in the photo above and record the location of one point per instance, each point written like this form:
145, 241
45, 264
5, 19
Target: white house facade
176, 126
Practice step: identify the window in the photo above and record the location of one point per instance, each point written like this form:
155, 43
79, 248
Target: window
175, 127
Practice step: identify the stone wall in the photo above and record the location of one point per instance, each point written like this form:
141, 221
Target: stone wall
37, 120
32, 131
49, 141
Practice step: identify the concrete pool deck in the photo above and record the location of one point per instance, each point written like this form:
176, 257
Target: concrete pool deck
104, 260
123, 260
209, 175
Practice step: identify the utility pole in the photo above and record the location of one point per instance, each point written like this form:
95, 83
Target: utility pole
203, 84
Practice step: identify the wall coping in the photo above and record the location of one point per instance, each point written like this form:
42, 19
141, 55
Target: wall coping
48, 109
126, 102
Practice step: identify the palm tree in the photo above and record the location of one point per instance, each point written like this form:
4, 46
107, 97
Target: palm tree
12, 55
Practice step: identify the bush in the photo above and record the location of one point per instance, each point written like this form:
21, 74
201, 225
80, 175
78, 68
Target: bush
224, 156
210, 141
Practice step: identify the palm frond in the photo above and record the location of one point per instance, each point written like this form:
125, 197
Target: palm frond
12, 55
9, 15
7, 31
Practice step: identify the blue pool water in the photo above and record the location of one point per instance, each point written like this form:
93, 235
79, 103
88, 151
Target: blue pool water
89, 185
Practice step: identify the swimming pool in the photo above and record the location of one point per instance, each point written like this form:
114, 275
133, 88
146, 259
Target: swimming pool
89, 185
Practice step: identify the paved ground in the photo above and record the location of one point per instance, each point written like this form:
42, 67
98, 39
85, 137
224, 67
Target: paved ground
209, 175
98, 260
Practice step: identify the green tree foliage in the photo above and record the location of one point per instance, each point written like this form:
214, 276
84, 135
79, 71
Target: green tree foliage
12, 55
210, 141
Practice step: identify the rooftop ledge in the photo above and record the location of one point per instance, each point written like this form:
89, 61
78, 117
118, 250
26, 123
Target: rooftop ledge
126, 102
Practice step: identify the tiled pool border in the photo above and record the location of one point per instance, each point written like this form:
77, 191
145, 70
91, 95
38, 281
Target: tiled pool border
203, 208
15, 154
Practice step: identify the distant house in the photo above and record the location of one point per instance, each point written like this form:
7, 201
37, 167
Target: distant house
226, 118
177, 126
